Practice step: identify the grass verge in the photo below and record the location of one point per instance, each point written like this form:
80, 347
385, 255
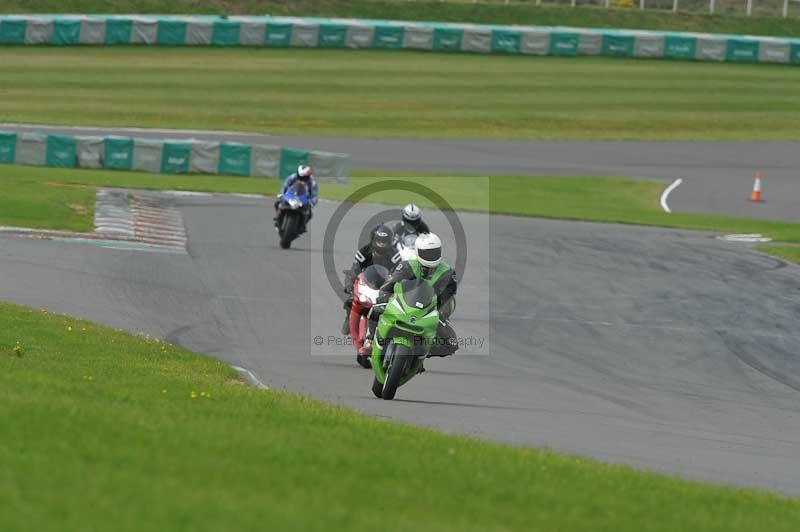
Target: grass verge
766, 22
32, 197
409, 94
790, 253
102, 428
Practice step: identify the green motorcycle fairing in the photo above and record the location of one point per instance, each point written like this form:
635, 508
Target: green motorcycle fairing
410, 319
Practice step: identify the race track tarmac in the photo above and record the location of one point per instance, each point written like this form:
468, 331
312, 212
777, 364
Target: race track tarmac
667, 350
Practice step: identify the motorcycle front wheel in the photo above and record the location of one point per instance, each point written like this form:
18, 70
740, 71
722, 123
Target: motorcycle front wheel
290, 228
401, 361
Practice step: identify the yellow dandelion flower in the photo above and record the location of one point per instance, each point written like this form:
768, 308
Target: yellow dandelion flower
69, 328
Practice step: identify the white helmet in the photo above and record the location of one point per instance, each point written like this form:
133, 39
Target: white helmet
411, 213
303, 171
429, 250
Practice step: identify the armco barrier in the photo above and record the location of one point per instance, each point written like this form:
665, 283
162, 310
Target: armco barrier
64, 30
165, 156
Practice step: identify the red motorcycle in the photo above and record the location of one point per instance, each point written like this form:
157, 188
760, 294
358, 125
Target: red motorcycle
365, 292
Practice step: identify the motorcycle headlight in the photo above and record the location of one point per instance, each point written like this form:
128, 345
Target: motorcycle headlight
295, 203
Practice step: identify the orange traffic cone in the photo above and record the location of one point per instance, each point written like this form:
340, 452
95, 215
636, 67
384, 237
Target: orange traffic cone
756, 195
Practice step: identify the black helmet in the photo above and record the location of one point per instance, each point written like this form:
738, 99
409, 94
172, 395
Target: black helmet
382, 239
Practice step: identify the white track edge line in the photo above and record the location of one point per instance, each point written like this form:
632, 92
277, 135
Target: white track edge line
667, 191
250, 377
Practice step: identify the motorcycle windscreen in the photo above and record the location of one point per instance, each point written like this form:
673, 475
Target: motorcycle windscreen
417, 294
376, 275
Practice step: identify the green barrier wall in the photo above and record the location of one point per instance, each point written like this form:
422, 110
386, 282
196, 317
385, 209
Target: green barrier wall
620, 45
225, 33
279, 35
563, 43
291, 159
171, 33
504, 41
390, 37
12, 31
8, 147
447, 40
118, 31
167, 156
332, 35
67, 30
61, 152
234, 159
175, 158
117, 154
742, 50
680, 47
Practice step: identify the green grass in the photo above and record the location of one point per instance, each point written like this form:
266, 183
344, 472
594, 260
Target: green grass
399, 94
452, 11
32, 197
47, 198
101, 431
790, 253
28, 202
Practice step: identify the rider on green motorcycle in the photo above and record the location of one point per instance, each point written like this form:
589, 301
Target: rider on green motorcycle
430, 267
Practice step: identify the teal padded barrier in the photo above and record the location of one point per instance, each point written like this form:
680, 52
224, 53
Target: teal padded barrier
175, 158
381, 34
332, 35
618, 45
8, 147
290, 160
447, 39
225, 33
680, 47
504, 41
742, 50
66, 32
118, 153
278, 35
12, 31
389, 37
171, 32
62, 151
794, 52
234, 159
118, 31
563, 43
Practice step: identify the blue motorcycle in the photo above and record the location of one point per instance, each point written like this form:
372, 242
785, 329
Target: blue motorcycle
294, 210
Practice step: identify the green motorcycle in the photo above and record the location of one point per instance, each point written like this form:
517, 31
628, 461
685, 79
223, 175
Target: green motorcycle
403, 337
